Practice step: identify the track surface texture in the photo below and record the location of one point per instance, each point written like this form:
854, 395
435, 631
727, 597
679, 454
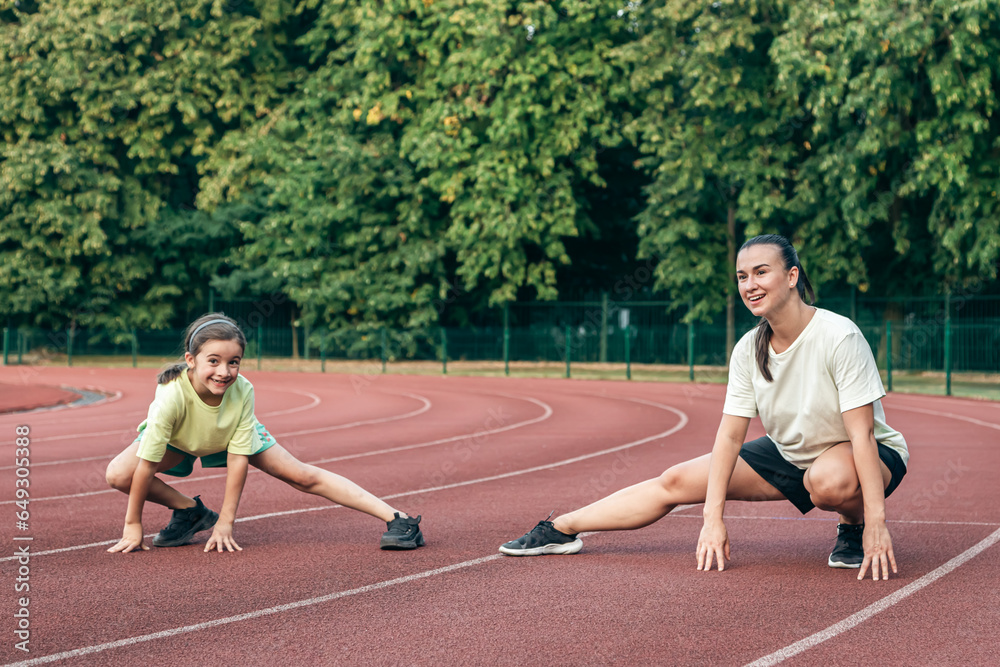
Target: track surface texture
483, 460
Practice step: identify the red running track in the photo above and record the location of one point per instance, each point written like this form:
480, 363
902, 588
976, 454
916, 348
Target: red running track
483, 460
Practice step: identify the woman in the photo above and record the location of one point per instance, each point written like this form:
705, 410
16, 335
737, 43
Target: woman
811, 377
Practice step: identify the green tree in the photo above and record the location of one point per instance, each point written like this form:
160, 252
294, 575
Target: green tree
435, 149
718, 135
109, 109
898, 190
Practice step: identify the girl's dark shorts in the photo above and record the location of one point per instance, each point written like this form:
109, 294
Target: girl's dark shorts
762, 455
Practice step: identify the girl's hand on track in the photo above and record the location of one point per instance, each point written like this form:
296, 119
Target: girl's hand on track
131, 539
713, 542
222, 537
878, 551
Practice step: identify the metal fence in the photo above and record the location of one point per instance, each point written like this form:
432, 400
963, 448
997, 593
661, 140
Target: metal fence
907, 336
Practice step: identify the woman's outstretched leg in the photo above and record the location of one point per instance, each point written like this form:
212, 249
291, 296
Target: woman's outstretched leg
639, 505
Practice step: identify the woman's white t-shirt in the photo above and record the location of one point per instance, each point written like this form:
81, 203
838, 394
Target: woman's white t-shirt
828, 370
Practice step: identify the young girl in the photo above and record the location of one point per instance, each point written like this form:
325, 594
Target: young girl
204, 409
811, 377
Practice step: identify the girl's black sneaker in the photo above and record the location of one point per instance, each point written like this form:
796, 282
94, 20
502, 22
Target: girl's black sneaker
184, 524
403, 533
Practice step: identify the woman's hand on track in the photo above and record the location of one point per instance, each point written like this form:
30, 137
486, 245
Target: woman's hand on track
222, 537
878, 551
131, 539
713, 542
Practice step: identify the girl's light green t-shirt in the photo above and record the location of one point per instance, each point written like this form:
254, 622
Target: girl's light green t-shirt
178, 417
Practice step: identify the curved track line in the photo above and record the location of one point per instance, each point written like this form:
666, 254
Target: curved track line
971, 420
547, 412
379, 420
548, 466
316, 401
876, 607
363, 589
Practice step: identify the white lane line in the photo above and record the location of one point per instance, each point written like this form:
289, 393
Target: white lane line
315, 401
122, 643
949, 415
546, 414
876, 607
988, 524
403, 494
260, 613
381, 420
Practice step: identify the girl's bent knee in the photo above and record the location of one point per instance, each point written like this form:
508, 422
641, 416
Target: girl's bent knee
116, 480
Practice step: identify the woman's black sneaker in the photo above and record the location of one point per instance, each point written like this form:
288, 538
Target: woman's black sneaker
543, 540
403, 533
848, 552
184, 524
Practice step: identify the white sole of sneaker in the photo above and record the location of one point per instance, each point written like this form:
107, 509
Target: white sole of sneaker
548, 550
843, 566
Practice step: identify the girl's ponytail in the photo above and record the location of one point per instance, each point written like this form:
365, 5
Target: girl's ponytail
170, 373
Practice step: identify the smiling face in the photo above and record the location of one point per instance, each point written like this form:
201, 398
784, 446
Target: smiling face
764, 283
214, 369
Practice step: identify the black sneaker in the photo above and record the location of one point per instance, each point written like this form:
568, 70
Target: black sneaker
848, 552
403, 533
541, 540
184, 524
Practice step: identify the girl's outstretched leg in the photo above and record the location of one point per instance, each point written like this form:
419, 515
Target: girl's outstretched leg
278, 462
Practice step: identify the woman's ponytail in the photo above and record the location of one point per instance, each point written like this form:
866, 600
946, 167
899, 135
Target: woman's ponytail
802, 286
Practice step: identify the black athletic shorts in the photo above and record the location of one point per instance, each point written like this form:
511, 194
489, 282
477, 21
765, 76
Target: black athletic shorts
762, 455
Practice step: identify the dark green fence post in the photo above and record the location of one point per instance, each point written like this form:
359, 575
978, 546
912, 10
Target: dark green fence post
691, 351
69, 346
947, 357
6, 344
506, 339
322, 354
568, 348
135, 349
444, 352
211, 300
888, 353
385, 349
628, 353
603, 350
20, 347
306, 342
260, 344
